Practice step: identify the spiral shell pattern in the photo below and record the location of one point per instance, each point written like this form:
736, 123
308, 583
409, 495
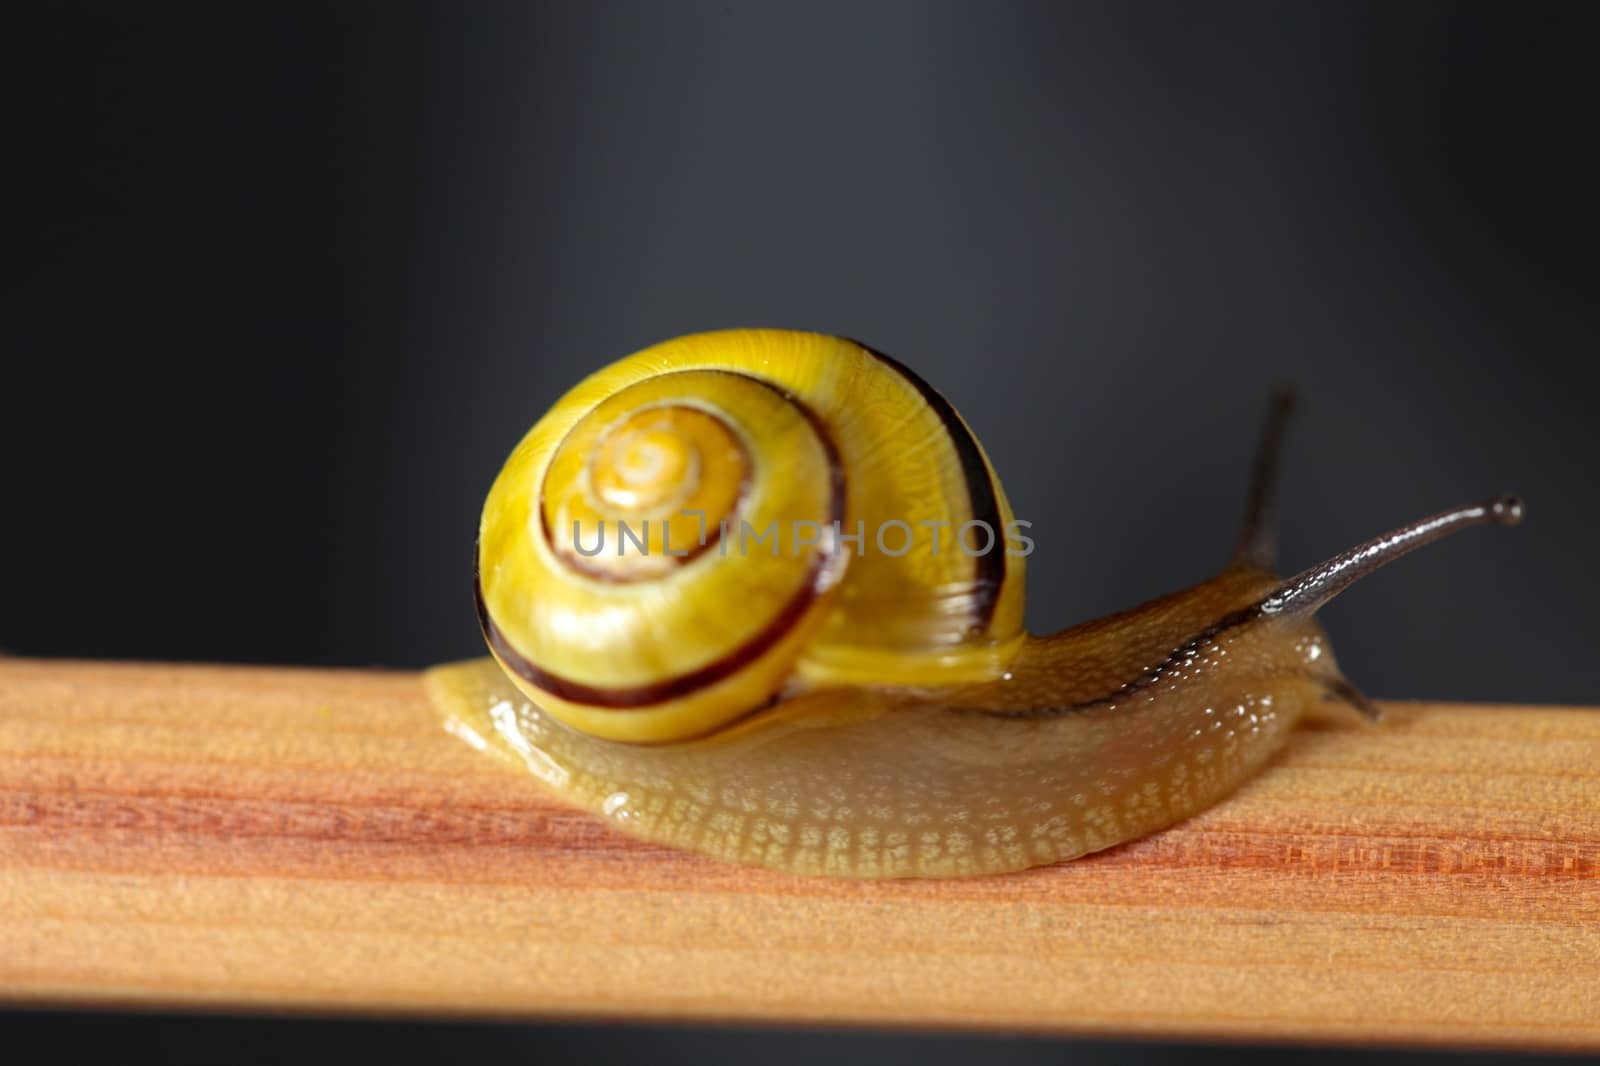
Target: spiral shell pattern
674, 542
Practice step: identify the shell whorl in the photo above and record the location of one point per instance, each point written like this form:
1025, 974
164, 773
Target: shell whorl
672, 543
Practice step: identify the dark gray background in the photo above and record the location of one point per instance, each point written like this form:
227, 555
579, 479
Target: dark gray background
299, 276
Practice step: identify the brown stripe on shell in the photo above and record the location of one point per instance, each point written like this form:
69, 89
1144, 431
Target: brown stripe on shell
989, 569
635, 697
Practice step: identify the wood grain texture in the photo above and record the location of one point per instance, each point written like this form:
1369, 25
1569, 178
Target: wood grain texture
279, 838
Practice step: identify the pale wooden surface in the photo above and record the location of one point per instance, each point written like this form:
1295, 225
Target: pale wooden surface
212, 836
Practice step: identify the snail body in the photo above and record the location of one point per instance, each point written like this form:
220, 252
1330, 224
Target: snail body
859, 708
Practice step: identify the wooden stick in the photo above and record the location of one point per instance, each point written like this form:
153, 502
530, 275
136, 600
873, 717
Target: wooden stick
278, 838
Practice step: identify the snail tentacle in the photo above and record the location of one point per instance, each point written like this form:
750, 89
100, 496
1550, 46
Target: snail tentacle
1308, 590
1342, 691
1258, 536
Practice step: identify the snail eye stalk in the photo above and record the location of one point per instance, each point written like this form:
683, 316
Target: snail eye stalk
1308, 590
1258, 536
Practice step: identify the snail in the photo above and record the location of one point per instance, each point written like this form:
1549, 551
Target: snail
759, 594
